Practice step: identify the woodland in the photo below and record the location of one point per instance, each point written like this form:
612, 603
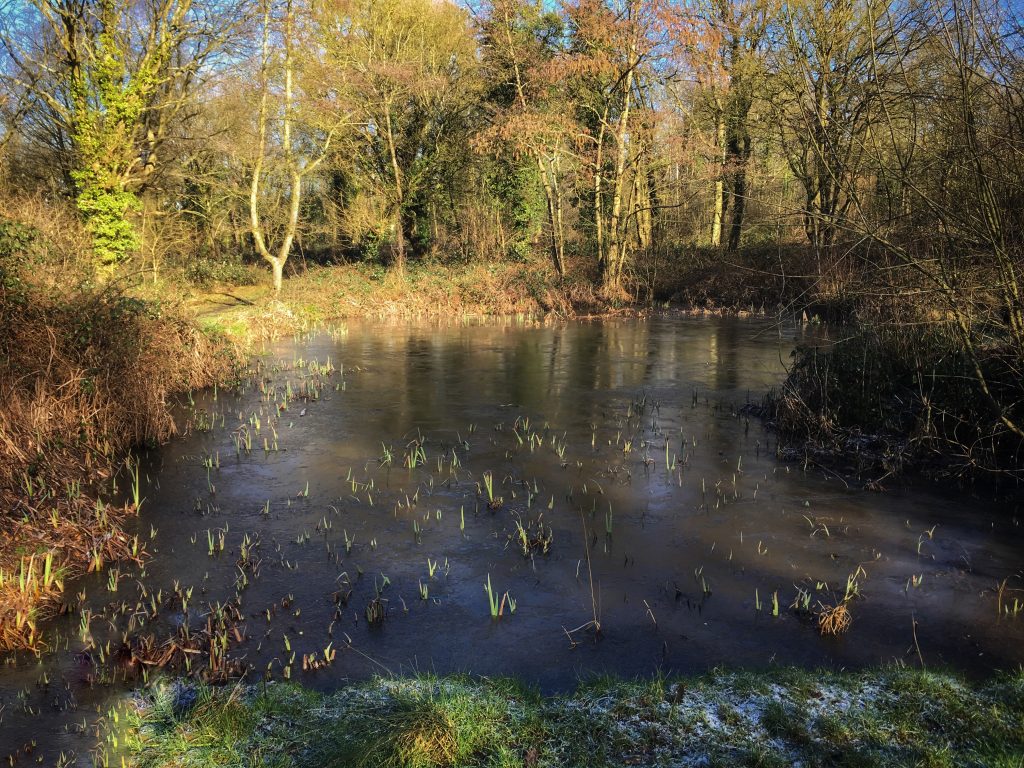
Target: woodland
853, 160
602, 138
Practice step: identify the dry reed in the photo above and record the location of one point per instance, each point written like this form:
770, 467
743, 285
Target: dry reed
85, 375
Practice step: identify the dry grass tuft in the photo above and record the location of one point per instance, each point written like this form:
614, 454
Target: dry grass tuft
834, 619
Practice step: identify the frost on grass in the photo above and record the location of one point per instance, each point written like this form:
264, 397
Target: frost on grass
788, 717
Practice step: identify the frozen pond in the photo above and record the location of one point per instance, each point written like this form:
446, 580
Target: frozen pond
338, 505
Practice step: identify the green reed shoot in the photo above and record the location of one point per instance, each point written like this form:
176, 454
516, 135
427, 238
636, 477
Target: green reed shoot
133, 469
84, 623
489, 485
492, 599
523, 537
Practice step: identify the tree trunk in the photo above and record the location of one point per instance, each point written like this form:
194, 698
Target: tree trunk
716, 224
276, 262
277, 268
558, 212
739, 193
616, 248
554, 215
643, 204
598, 205
399, 196
399, 243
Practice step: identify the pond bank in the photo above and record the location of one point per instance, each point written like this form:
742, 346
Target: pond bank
783, 717
445, 291
880, 401
85, 375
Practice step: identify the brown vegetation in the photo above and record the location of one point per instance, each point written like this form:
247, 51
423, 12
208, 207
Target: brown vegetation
85, 374
887, 398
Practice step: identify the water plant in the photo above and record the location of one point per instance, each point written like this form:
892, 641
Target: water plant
834, 619
493, 502
496, 604
415, 454
375, 611
802, 602
133, 469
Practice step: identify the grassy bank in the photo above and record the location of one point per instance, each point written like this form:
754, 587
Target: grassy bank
86, 373
779, 718
703, 280
248, 308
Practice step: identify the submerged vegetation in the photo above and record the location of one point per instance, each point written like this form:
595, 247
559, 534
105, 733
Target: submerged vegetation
780, 717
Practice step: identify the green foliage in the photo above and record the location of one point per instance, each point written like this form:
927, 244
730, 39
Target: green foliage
106, 213
516, 187
15, 238
107, 105
18, 250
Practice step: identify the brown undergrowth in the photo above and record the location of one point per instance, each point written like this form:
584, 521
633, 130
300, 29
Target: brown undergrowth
882, 400
85, 374
438, 289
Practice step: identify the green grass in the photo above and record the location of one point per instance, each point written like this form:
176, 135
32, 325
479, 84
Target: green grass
888, 717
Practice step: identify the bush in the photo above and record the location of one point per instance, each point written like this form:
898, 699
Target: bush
912, 386
42, 245
206, 272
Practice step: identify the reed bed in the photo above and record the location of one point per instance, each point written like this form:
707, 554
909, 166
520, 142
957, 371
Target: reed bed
886, 399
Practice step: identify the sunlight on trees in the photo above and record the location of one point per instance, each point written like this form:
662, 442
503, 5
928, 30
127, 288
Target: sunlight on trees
607, 141
101, 83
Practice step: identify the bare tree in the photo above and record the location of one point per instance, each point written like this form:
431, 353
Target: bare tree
296, 165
